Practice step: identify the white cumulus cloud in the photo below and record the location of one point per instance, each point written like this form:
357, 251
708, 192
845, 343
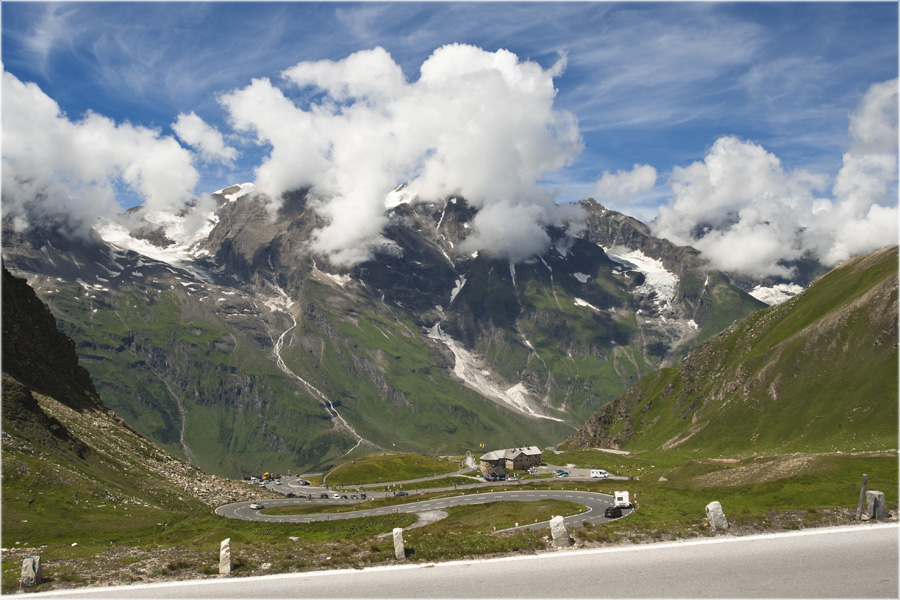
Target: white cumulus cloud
625, 185
207, 140
476, 124
749, 214
53, 165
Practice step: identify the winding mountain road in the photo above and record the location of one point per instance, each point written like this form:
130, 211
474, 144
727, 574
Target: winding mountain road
594, 504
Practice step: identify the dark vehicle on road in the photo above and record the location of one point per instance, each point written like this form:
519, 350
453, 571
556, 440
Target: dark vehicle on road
612, 512
401, 494
323, 495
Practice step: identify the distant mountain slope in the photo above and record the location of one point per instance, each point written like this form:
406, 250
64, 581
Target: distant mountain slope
817, 373
69, 462
241, 350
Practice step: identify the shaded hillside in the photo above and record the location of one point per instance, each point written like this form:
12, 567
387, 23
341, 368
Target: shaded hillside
38, 355
70, 465
817, 373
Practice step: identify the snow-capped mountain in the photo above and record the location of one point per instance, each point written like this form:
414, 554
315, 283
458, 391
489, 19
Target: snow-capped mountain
216, 331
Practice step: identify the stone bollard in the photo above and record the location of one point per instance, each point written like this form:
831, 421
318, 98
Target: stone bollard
559, 532
399, 550
31, 572
716, 516
226, 559
875, 506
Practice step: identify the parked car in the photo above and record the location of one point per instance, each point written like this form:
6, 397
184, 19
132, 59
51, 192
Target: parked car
612, 512
363, 496
353, 497
562, 473
512, 479
256, 506
344, 496
336, 496
401, 494
323, 495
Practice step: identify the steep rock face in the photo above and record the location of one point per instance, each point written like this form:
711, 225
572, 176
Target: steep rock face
36, 353
818, 372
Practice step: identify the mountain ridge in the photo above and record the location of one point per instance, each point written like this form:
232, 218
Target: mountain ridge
243, 350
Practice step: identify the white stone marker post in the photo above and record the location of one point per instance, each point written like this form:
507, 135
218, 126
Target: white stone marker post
875, 506
399, 550
226, 559
559, 532
31, 572
716, 516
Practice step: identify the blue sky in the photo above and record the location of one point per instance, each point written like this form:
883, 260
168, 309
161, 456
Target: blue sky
652, 84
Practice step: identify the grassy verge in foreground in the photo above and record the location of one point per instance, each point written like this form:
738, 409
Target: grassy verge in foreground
758, 494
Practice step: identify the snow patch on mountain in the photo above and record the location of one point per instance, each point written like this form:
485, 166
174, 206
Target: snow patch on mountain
178, 255
459, 286
580, 302
400, 195
469, 370
242, 190
658, 279
581, 277
549, 268
777, 293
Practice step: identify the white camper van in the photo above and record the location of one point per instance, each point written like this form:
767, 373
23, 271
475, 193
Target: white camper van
622, 500
599, 473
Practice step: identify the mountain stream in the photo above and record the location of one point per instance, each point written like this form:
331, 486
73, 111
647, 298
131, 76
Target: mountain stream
339, 422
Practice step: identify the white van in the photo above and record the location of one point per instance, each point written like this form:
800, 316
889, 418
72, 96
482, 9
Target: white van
599, 473
622, 500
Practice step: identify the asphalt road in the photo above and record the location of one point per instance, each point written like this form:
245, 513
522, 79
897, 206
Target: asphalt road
859, 561
594, 504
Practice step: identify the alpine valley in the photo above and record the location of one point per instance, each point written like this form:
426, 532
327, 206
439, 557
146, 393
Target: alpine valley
240, 350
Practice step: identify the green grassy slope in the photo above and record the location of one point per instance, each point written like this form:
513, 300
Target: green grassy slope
816, 374
178, 370
386, 467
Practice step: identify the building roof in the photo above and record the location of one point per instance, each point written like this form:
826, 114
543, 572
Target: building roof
497, 471
511, 453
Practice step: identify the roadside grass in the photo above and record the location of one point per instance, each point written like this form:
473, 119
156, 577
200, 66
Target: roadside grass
677, 508
468, 530
195, 542
387, 467
437, 483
